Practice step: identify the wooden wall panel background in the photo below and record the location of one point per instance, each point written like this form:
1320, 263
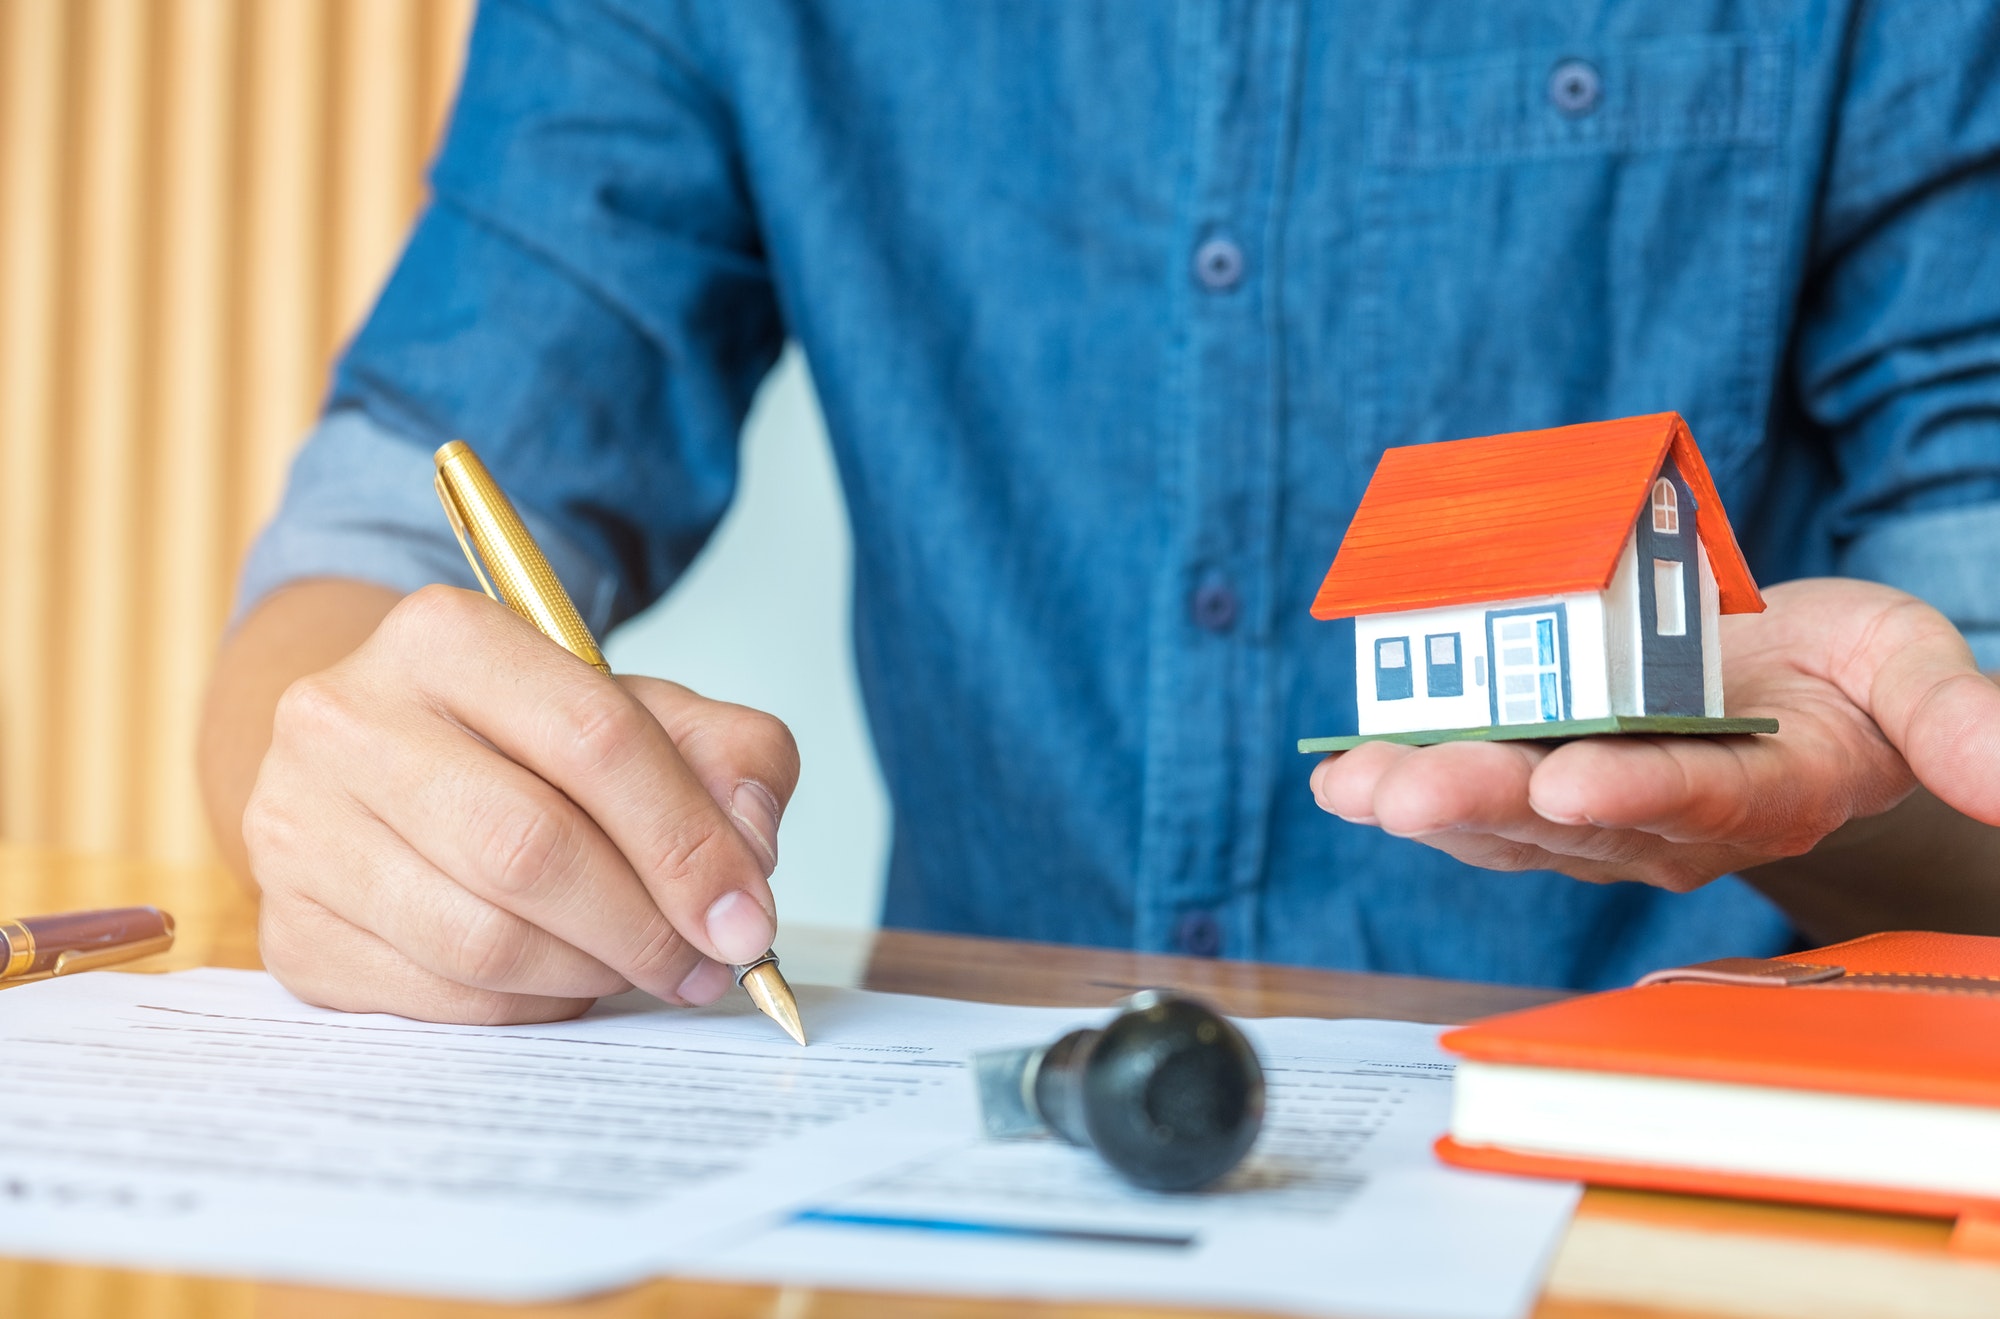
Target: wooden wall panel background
198, 199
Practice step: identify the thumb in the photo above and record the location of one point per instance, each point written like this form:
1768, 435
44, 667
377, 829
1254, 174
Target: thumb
1913, 673
746, 759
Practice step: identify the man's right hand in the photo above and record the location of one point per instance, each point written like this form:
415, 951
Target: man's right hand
460, 821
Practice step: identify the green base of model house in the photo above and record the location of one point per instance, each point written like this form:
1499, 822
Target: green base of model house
1560, 730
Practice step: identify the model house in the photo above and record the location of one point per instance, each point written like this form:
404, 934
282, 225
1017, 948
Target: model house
1546, 583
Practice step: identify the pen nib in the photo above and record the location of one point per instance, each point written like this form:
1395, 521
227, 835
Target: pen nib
773, 997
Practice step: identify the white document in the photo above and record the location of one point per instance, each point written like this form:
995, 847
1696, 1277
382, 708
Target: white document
209, 1122
1341, 1209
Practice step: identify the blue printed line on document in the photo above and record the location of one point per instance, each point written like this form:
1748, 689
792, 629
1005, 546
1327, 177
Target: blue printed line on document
1018, 1231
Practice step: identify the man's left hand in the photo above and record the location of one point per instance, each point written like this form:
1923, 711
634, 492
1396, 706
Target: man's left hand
1874, 691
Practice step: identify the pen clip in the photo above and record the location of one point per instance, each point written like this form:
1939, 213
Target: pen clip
72, 960
457, 521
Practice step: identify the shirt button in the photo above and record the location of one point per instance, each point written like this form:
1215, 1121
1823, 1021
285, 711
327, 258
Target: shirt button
1214, 606
1218, 264
1574, 87
1198, 934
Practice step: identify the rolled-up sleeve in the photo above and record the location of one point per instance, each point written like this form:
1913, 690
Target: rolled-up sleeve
584, 300
360, 505
1899, 345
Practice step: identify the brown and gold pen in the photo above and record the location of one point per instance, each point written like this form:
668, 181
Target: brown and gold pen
484, 518
37, 947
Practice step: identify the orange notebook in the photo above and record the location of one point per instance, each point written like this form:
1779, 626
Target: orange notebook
1866, 1075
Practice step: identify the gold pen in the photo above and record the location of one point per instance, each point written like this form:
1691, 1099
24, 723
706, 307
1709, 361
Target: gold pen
38, 947
483, 517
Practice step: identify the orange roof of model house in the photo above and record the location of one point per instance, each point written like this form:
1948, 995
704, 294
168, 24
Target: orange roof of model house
1509, 516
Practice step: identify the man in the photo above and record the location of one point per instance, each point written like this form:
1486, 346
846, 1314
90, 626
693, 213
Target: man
1111, 307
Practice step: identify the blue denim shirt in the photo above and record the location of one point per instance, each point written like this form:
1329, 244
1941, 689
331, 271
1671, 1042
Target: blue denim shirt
1111, 307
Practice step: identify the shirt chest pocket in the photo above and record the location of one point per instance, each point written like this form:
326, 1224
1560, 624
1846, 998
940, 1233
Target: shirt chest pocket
1554, 236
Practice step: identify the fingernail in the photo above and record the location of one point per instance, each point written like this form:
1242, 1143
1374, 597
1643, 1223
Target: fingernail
755, 811
708, 982
739, 929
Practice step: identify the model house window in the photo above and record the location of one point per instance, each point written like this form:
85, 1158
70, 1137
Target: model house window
1393, 680
1666, 508
1444, 674
1669, 598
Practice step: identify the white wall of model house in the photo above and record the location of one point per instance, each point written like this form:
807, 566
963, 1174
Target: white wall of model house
1599, 657
1711, 638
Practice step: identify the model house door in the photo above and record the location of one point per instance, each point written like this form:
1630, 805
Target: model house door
1530, 666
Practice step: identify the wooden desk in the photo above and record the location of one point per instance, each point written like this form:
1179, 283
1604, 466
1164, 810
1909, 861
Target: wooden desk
1627, 1256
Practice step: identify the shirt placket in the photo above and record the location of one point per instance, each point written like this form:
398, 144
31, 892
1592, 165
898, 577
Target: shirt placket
1213, 741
